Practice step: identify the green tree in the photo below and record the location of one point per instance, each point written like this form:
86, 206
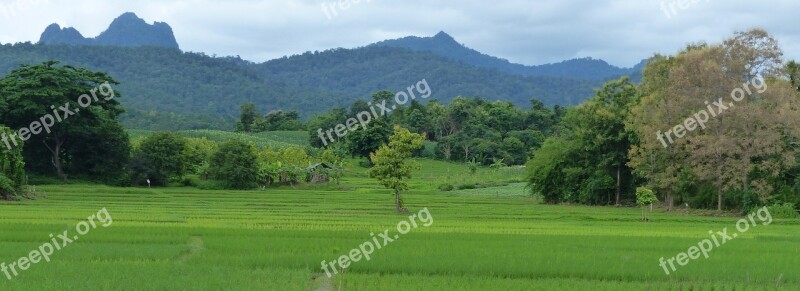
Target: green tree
236, 164
645, 197
363, 141
249, 115
390, 167
198, 153
161, 157
600, 129
35, 92
12, 169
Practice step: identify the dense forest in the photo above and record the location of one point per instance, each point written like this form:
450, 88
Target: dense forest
206, 92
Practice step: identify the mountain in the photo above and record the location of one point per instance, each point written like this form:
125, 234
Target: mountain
164, 88
443, 44
126, 30
362, 71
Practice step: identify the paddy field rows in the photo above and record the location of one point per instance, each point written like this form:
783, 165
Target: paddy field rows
483, 239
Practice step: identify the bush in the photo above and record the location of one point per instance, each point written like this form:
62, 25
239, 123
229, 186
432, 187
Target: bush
159, 158
365, 163
446, 187
189, 182
7, 187
235, 164
785, 210
466, 186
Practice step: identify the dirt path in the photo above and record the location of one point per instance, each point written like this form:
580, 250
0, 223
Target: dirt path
195, 244
321, 282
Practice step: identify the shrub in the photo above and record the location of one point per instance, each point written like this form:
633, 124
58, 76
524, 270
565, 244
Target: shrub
446, 187
159, 158
785, 210
235, 164
7, 187
466, 186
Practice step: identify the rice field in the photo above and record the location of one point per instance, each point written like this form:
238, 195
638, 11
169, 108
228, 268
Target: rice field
481, 239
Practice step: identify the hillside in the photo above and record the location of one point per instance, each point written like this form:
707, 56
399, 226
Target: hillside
442, 44
167, 89
359, 72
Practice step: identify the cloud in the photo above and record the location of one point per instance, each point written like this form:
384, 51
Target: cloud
523, 31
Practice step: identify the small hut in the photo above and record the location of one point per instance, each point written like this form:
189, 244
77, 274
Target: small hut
319, 172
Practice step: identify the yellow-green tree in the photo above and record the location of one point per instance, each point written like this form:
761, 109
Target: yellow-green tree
390, 165
721, 111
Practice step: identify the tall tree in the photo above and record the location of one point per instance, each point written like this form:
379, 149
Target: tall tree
657, 111
247, 118
600, 128
51, 93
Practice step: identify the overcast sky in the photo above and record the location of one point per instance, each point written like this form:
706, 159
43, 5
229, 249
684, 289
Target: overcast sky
523, 31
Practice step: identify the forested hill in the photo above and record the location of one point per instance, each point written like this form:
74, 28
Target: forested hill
360, 72
445, 45
169, 89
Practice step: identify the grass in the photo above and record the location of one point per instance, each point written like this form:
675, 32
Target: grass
482, 239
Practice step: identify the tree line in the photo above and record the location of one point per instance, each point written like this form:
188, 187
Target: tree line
711, 127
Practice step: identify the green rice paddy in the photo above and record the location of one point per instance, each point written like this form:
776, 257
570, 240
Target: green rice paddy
483, 239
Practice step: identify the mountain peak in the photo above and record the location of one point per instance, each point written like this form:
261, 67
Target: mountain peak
127, 18
444, 36
67, 35
126, 30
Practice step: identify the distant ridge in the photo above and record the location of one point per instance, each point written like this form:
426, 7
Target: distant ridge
126, 30
445, 45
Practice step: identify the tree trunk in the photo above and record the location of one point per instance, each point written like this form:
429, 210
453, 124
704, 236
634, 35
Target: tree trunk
619, 183
397, 201
56, 158
669, 199
719, 195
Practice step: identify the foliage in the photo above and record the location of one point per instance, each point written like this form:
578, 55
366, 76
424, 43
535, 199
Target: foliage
75, 144
645, 197
473, 166
466, 129
446, 187
198, 152
746, 148
8, 188
390, 166
236, 165
12, 168
778, 210
586, 162
175, 90
363, 141
160, 158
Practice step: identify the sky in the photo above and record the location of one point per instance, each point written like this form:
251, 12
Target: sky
529, 32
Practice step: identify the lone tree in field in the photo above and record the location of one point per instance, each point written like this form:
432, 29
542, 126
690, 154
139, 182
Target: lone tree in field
645, 197
390, 167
